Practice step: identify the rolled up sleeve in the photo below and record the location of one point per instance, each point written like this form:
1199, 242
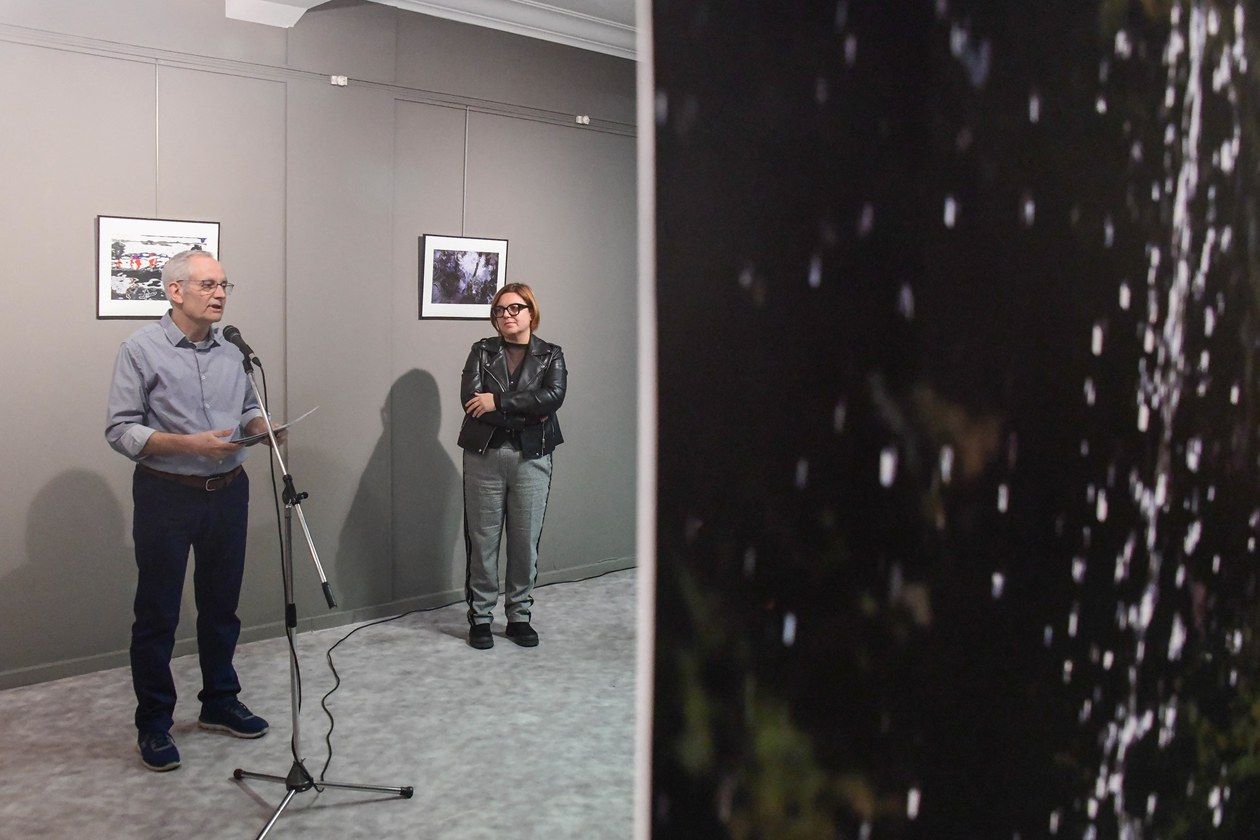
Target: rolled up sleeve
250, 410
128, 408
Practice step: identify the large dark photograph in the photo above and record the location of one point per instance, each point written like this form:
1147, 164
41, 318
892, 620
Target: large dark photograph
958, 496
464, 276
460, 275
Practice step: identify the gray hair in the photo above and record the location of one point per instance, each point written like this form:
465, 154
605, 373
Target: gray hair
177, 269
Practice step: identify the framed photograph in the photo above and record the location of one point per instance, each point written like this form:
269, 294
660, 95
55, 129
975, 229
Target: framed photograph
130, 254
459, 276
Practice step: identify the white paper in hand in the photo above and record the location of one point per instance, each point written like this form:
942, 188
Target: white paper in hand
250, 440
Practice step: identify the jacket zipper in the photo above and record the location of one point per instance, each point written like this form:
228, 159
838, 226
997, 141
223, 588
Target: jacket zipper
486, 445
483, 449
502, 387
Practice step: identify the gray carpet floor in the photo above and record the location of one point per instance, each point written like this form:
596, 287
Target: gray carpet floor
510, 742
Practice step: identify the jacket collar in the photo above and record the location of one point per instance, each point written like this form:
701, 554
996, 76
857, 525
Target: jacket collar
531, 366
537, 347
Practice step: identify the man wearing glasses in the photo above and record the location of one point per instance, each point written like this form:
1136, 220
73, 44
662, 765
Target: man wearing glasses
178, 397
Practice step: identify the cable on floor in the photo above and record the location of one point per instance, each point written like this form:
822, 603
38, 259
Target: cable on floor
332, 723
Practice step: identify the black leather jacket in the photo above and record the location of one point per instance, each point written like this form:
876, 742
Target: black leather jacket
530, 409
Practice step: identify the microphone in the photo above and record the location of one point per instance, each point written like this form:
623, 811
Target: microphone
233, 335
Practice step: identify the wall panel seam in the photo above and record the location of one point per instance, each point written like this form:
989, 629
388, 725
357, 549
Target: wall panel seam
284, 258
157, 141
463, 199
393, 205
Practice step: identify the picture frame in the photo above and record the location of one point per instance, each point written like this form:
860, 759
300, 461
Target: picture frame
130, 254
460, 275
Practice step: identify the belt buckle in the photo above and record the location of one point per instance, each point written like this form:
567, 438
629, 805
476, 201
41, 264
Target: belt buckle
213, 479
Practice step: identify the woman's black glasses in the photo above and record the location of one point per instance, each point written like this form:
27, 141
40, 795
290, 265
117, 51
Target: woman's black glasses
512, 309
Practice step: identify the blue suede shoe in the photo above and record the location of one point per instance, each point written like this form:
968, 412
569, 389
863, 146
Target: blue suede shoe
233, 717
157, 751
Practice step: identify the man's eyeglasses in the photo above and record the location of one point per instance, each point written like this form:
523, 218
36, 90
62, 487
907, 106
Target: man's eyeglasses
207, 287
512, 309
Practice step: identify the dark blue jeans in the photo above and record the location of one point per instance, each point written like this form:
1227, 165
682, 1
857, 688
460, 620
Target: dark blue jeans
169, 519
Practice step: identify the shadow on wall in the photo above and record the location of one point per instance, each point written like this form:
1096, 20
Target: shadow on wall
410, 485
73, 597
427, 498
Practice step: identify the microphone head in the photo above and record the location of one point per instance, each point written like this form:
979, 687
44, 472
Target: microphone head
231, 333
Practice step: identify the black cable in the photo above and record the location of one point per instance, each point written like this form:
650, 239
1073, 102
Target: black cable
337, 677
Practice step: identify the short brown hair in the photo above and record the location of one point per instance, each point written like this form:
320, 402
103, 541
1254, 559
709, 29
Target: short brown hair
527, 295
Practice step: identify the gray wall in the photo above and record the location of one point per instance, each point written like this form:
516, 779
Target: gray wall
160, 108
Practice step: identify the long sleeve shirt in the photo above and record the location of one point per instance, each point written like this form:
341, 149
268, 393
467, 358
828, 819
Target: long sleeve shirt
165, 383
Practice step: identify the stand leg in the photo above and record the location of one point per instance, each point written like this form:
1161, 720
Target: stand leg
288, 797
299, 780
239, 774
404, 792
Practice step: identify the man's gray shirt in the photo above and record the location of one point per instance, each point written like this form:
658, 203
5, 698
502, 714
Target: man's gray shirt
165, 383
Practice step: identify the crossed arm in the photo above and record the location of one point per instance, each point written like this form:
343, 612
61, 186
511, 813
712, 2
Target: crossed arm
514, 409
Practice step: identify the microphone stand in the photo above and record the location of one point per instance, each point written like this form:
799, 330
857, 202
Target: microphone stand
299, 779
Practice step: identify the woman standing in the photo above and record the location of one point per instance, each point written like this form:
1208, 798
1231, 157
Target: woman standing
511, 388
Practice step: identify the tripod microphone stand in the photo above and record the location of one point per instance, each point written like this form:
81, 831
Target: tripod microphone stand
298, 780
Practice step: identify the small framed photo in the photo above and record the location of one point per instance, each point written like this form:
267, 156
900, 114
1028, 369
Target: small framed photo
459, 276
130, 254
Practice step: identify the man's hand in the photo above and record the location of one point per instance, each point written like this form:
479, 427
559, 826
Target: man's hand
212, 444
258, 426
479, 404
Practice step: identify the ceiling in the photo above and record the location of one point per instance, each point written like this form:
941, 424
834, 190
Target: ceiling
605, 26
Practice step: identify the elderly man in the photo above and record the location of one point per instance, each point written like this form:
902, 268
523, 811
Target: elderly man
178, 397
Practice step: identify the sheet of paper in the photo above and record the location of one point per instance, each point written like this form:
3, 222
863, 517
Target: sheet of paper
250, 440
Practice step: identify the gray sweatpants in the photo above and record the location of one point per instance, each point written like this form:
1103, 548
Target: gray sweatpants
497, 485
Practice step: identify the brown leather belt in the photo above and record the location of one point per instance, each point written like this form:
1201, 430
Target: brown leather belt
209, 483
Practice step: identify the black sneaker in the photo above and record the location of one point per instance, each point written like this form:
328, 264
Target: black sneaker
521, 633
479, 637
233, 717
157, 751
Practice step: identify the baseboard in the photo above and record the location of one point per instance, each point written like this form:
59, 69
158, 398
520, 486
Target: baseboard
63, 668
